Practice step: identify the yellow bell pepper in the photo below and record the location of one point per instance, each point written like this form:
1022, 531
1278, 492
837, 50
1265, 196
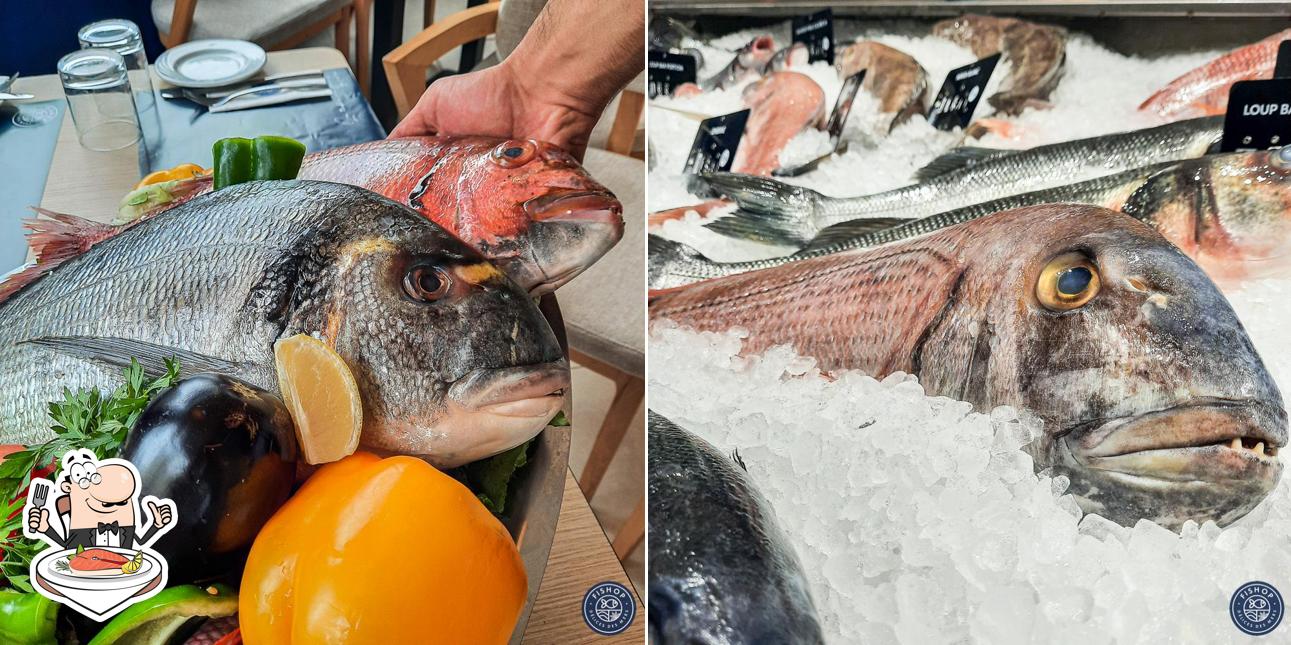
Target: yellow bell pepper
182, 171
375, 551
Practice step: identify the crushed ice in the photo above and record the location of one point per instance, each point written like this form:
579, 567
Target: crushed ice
918, 520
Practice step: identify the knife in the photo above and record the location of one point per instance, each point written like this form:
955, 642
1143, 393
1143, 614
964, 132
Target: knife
268, 95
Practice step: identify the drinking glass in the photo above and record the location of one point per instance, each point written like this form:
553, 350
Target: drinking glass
122, 37
99, 98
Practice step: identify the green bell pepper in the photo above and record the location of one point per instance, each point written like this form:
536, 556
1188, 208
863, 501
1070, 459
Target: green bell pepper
238, 160
27, 618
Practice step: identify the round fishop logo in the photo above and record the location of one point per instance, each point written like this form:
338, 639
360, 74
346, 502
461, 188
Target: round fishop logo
1256, 608
609, 608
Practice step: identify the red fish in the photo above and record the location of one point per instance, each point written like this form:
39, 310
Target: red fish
782, 104
1204, 91
526, 205
97, 560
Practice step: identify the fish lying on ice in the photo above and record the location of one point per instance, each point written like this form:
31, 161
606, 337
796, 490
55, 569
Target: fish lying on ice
453, 360
749, 61
1154, 401
788, 215
1035, 53
1204, 91
721, 569
528, 206
781, 104
1230, 213
894, 77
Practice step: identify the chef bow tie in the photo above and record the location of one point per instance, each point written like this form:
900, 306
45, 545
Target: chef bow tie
113, 527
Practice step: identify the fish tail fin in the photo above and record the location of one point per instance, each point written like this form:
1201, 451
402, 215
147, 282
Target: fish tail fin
770, 211
54, 239
673, 264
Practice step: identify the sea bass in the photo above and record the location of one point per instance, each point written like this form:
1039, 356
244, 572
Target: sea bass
892, 76
780, 213
453, 360
1155, 403
1230, 213
749, 60
1204, 91
528, 206
721, 569
1035, 52
781, 104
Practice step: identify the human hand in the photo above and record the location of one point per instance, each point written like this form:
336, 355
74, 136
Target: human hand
497, 102
38, 520
160, 514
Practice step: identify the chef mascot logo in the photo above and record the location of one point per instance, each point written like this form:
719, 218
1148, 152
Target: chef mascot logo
99, 559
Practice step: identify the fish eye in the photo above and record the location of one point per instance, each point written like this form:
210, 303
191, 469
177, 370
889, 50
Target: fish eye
1067, 282
1282, 158
513, 154
426, 283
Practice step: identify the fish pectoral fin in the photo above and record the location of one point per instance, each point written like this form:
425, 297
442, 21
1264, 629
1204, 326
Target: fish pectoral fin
959, 158
117, 352
846, 231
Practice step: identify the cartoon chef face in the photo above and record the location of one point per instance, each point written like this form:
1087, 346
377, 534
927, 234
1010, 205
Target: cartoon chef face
99, 493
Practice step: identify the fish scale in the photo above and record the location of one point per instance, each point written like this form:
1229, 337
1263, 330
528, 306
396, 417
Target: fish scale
217, 280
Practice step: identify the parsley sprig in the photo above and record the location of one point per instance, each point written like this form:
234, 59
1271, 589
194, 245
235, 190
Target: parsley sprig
83, 419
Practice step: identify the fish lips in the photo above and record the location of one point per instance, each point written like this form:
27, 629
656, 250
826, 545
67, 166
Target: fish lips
1215, 442
570, 230
522, 392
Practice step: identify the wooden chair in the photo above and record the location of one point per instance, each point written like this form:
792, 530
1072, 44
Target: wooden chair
406, 67
282, 24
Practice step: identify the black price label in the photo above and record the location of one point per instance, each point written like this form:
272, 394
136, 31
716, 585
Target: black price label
960, 93
843, 107
1259, 115
716, 142
817, 33
667, 71
1283, 67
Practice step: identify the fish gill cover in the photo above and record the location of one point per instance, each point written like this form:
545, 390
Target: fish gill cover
918, 520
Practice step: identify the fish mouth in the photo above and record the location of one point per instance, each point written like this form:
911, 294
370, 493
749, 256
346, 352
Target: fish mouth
571, 230
578, 207
1212, 441
524, 392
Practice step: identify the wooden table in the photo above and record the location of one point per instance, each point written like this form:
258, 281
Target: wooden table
89, 184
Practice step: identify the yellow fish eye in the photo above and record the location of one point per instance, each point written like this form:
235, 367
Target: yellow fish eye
1067, 282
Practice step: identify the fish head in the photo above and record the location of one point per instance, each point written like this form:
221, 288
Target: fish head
1229, 212
453, 360
980, 33
528, 206
1154, 401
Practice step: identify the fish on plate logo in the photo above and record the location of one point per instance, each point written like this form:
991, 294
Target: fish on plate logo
608, 608
1256, 608
99, 559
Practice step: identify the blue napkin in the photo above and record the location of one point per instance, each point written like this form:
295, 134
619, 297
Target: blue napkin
179, 131
28, 135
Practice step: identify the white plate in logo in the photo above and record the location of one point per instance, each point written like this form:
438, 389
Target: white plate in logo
108, 592
210, 63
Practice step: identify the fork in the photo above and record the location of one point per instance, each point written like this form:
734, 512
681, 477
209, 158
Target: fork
39, 492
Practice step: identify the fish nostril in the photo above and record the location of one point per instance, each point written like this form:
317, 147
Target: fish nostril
1137, 285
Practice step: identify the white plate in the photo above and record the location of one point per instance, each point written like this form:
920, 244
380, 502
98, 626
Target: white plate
210, 63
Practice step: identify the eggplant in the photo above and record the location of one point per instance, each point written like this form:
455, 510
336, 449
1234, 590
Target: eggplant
225, 452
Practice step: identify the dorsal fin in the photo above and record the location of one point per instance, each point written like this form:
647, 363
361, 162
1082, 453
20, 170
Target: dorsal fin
59, 237
962, 157
849, 230
54, 239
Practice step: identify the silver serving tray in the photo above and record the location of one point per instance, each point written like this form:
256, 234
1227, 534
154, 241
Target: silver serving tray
536, 510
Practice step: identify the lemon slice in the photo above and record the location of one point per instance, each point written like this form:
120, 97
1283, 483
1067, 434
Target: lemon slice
321, 396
